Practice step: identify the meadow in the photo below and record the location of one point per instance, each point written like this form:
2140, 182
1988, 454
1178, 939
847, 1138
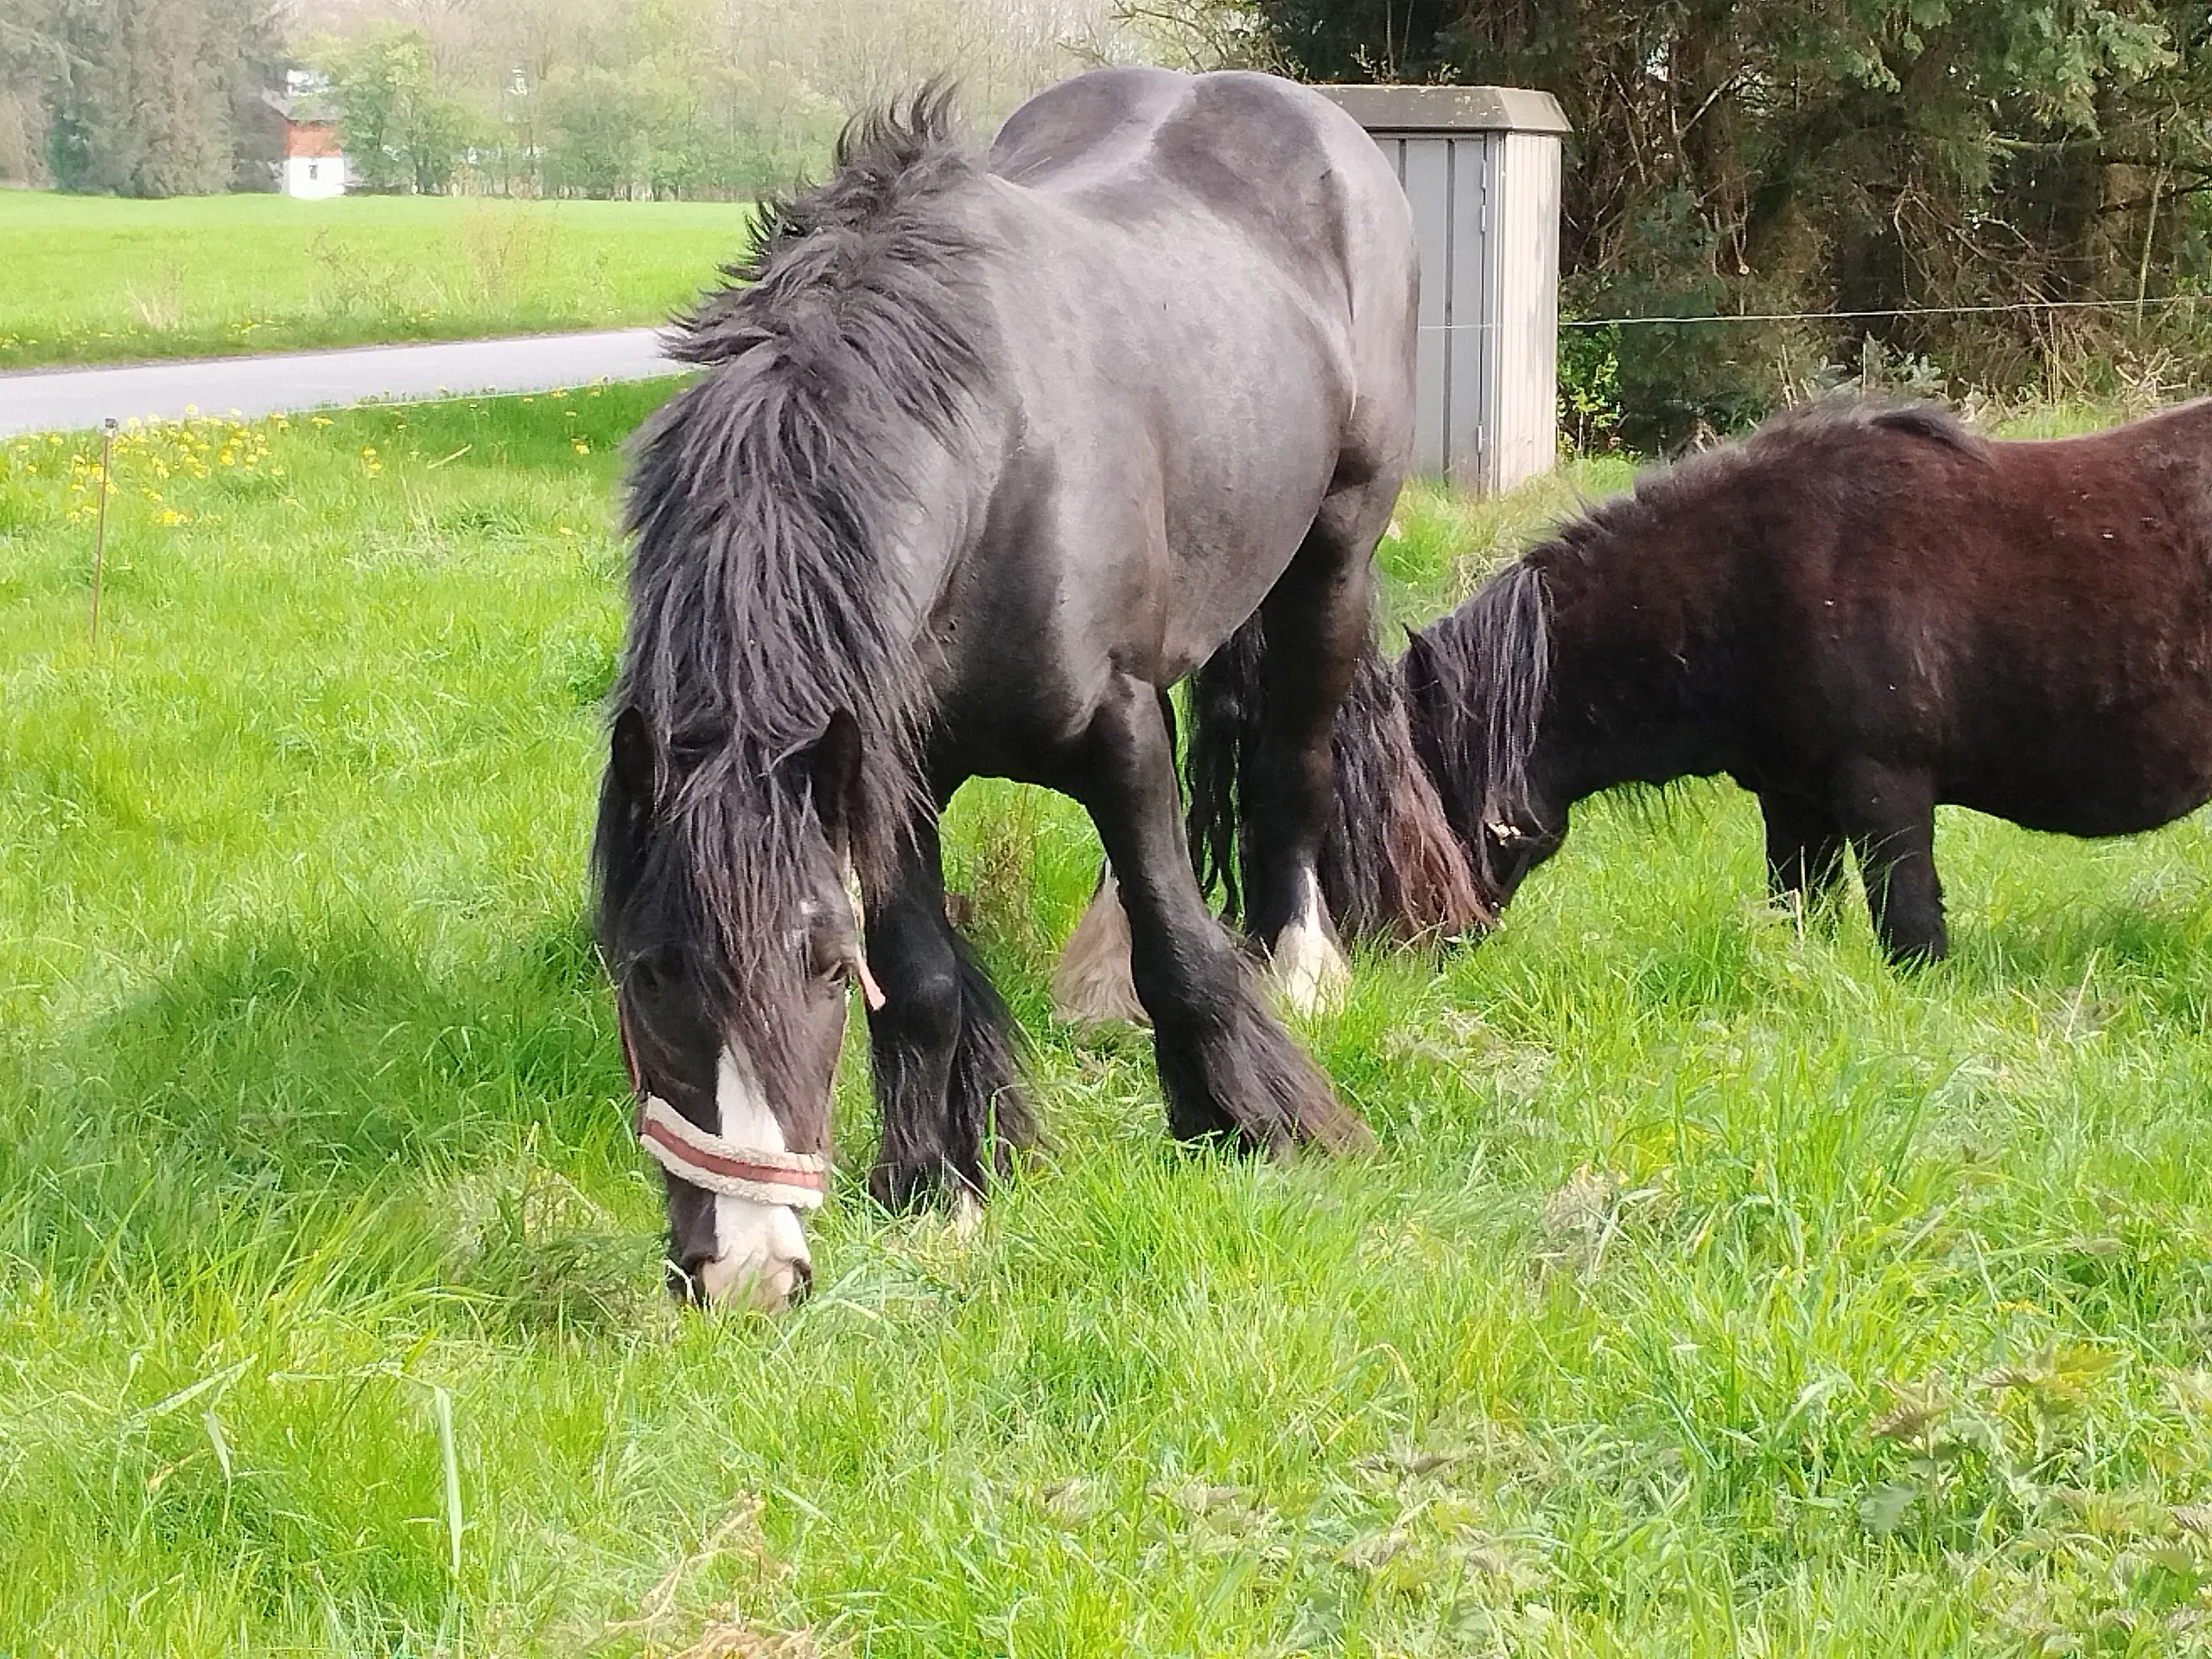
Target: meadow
95, 279
1714, 1290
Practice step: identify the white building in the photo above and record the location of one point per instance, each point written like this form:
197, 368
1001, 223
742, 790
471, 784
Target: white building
314, 165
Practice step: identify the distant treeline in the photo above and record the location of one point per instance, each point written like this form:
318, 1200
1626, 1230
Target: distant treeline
590, 97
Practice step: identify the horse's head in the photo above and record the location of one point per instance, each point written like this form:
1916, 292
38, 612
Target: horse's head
1474, 685
727, 925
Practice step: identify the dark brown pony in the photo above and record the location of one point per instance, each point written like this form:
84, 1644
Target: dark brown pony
1858, 613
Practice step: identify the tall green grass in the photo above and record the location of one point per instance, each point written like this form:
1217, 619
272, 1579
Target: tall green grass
93, 279
1714, 1290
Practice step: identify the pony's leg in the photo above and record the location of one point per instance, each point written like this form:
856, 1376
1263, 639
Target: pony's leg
1804, 849
1889, 817
1227, 1066
1314, 623
940, 1048
1091, 984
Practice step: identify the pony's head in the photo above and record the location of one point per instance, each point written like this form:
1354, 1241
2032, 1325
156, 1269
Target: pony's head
1474, 684
728, 927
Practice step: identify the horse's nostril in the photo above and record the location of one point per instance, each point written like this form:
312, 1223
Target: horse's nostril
802, 1283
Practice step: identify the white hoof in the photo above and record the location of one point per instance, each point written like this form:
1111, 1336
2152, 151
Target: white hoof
1310, 968
1313, 973
967, 1215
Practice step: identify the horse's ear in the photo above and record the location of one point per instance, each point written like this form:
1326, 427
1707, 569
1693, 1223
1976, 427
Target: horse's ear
630, 755
1417, 671
834, 780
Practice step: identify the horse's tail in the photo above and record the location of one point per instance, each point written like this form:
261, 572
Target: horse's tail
1223, 740
1390, 865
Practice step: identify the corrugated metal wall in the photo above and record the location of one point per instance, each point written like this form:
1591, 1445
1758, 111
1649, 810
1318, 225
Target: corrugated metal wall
1486, 208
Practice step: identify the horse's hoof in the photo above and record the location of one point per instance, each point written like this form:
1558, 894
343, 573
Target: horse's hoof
967, 1214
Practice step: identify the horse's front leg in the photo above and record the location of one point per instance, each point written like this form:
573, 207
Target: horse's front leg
1227, 1066
1889, 816
1804, 849
941, 1048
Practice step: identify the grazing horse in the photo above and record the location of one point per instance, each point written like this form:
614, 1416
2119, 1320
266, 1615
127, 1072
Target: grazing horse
1861, 611
991, 450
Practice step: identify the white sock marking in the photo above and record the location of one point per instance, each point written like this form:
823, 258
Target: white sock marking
1311, 971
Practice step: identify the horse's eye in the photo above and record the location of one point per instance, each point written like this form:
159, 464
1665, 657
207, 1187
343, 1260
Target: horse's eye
652, 973
827, 957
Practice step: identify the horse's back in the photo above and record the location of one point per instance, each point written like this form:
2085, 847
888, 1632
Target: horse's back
1248, 145
1140, 150
1204, 288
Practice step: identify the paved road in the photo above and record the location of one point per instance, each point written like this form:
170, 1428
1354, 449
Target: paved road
60, 400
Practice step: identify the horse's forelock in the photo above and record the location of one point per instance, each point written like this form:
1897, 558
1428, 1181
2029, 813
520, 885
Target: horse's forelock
1490, 661
717, 881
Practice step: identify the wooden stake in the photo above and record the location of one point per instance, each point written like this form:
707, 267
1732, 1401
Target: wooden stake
99, 534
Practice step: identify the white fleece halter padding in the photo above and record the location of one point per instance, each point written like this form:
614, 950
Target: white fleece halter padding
717, 1165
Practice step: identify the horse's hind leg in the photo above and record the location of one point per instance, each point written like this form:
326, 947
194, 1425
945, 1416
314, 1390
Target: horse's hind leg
1314, 623
1226, 1065
1889, 816
1804, 849
940, 1048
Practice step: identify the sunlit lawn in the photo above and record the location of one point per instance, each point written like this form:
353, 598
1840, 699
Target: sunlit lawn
91, 278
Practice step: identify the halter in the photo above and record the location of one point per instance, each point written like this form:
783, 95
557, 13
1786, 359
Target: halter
712, 1162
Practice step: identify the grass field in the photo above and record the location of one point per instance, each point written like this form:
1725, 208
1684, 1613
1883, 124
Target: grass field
93, 279
1714, 1290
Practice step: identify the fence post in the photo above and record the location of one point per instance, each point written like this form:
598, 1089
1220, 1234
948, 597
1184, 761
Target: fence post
1481, 166
99, 529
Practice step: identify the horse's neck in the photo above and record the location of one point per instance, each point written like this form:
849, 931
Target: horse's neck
1621, 710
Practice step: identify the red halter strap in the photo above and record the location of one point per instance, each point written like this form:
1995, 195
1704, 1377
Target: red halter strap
711, 1162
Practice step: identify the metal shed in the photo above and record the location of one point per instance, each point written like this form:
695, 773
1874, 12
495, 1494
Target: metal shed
1481, 166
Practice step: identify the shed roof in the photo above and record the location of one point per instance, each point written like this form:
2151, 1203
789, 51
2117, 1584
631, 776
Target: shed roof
1449, 109
316, 107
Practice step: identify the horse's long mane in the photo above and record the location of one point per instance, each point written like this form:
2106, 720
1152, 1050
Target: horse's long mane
770, 501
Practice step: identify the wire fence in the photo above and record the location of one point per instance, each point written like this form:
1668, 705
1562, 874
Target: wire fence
2148, 303
2145, 303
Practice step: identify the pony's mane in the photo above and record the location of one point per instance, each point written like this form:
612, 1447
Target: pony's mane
1832, 419
1822, 433
768, 501
1474, 684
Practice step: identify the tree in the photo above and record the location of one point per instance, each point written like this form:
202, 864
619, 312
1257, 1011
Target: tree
401, 132
141, 94
1826, 154
600, 136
